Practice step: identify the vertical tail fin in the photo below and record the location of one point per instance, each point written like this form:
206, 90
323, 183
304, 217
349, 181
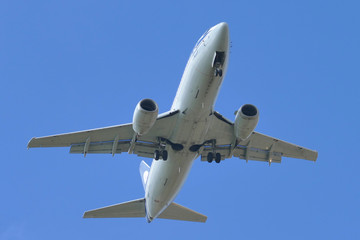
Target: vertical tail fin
144, 173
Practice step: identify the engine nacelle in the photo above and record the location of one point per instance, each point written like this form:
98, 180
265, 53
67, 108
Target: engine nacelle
245, 121
145, 115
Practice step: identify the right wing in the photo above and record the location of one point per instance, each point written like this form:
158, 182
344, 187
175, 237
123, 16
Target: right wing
114, 139
258, 147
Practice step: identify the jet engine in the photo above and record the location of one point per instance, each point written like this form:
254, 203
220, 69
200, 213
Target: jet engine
145, 115
245, 121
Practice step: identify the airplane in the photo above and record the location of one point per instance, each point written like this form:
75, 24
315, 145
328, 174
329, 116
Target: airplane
175, 139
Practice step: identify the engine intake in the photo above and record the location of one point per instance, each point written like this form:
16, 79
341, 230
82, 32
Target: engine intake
145, 115
245, 121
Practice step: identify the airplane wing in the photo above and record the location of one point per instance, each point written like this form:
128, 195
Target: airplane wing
114, 139
258, 147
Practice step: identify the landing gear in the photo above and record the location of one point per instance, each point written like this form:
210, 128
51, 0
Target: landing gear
163, 154
218, 63
211, 156
218, 72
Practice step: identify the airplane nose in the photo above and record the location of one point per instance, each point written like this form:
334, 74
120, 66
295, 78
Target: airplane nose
223, 29
222, 36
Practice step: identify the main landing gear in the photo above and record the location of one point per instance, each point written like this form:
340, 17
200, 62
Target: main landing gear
161, 154
213, 155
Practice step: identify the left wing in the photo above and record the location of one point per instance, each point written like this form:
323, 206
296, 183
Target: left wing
257, 147
114, 139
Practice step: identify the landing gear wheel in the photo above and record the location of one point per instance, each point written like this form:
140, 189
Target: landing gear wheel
157, 155
165, 155
210, 157
218, 72
217, 157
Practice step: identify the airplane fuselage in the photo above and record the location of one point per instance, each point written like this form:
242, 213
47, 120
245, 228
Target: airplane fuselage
176, 138
195, 100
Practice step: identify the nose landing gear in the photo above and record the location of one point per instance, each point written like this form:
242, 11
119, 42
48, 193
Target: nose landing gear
218, 72
218, 63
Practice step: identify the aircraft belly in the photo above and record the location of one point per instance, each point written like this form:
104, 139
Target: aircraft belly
166, 179
199, 87
194, 99
189, 131
198, 91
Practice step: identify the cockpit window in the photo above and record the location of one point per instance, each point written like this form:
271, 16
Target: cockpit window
202, 37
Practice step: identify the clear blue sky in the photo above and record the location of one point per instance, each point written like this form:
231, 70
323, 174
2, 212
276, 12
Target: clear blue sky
75, 65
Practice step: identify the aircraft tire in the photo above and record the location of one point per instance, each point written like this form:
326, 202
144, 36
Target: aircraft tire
210, 157
218, 72
218, 158
157, 155
165, 155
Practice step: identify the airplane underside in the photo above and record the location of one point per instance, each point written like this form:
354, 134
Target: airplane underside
174, 139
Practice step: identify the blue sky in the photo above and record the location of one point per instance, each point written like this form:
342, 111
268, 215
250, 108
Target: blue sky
74, 65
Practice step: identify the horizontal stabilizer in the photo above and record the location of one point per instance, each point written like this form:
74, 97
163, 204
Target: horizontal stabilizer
131, 209
178, 212
136, 209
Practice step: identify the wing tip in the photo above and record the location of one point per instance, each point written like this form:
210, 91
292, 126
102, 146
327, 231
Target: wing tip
30, 143
86, 215
315, 155
203, 219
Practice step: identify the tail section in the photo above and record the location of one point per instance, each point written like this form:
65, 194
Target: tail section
136, 208
144, 173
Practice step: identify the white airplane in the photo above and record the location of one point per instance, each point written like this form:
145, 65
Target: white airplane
176, 138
